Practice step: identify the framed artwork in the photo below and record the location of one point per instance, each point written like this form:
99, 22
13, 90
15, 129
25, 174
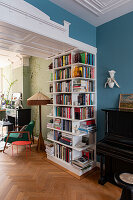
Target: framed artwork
126, 101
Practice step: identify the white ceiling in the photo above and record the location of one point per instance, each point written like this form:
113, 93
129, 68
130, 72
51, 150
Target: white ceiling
7, 58
25, 42
96, 12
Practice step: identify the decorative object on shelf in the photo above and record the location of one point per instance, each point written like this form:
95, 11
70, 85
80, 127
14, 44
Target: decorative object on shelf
126, 101
77, 58
50, 66
39, 99
111, 80
18, 103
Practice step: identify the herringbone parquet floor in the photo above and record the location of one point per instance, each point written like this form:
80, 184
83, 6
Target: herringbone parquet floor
34, 178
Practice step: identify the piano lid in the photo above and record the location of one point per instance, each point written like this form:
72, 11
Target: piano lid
119, 123
117, 109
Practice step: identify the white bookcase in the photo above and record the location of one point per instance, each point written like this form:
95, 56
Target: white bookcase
74, 134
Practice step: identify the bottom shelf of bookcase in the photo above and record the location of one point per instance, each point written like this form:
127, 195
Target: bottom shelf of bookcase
68, 166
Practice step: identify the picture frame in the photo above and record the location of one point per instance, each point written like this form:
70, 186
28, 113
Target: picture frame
126, 101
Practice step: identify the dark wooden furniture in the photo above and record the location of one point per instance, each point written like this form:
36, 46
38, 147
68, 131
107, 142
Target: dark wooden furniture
116, 148
127, 188
19, 117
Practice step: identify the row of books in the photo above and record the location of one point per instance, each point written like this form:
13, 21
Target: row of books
62, 61
64, 99
87, 126
84, 113
63, 74
89, 72
63, 112
63, 86
83, 86
62, 124
63, 153
86, 99
65, 140
86, 58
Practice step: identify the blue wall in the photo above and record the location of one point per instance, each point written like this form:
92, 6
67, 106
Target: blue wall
115, 51
79, 29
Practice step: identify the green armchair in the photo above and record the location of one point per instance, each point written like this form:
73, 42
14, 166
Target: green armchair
24, 135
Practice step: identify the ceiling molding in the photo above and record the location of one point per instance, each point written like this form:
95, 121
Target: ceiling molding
99, 7
96, 12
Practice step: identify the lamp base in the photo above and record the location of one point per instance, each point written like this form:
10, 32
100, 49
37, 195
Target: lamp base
40, 143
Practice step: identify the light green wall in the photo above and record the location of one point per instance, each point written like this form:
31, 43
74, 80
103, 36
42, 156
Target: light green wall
11, 74
39, 77
26, 85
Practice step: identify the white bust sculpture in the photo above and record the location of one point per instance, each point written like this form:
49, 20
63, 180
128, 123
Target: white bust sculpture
111, 80
18, 103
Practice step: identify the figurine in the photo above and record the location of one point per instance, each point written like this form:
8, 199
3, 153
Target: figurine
111, 81
18, 103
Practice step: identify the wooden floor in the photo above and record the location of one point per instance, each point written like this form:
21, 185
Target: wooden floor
35, 178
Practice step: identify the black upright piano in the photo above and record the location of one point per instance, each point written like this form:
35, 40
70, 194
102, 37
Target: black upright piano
116, 148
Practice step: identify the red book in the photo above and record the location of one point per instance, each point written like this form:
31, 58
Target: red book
69, 59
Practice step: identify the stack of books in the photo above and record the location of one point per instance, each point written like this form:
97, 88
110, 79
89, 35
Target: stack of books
58, 136
83, 86
57, 124
79, 85
82, 163
50, 125
87, 127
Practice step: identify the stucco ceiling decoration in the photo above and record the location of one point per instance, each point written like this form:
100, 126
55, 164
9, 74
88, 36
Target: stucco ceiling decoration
96, 12
100, 7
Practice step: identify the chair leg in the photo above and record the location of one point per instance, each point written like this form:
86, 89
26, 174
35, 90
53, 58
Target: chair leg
26, 150
12, 150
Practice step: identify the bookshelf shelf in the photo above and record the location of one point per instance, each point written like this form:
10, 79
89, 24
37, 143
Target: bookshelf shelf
81, 106
82, 64
67, 132
69, 166
74, 78
64, 67
78, 64
71, 92
75, 73
71, 147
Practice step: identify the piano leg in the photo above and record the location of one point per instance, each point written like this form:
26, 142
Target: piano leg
102, 179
